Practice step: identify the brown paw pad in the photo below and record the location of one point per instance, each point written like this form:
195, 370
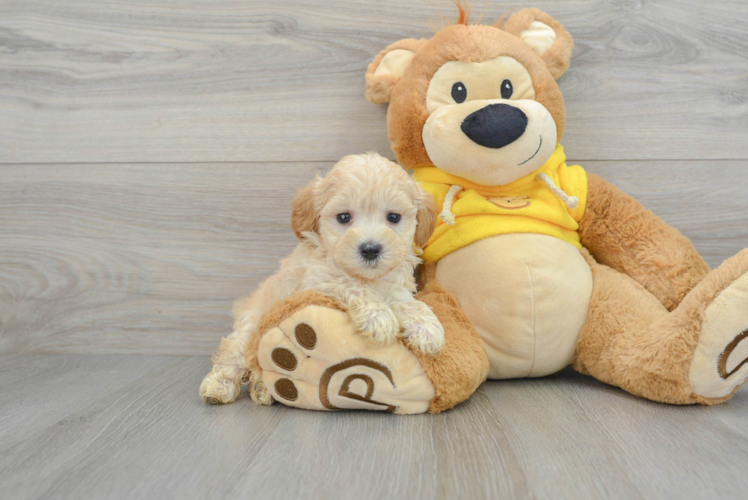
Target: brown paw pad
305, 336
284, 358
734, 356
286, 389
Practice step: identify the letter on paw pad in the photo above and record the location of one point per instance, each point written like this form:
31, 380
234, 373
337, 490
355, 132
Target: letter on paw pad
316, 359
734, 356
720, 362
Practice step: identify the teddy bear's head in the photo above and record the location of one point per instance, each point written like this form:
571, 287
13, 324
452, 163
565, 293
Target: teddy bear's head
480, 102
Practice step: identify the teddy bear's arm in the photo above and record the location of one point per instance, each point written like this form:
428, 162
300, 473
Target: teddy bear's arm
619, 232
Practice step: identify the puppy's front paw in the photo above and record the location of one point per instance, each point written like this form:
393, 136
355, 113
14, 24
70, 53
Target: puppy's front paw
422, 329
377, 322
427, 338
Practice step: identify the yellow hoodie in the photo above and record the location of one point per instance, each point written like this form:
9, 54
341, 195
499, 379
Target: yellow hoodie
527, 205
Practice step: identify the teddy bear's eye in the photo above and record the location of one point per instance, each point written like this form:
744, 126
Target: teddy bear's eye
506, 89
393, 218
459, 92
344, 218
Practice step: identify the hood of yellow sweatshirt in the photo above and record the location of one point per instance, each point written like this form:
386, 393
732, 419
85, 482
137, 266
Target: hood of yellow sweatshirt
536, 203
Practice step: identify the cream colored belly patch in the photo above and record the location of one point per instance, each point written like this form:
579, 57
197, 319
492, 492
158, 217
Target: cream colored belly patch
527, 295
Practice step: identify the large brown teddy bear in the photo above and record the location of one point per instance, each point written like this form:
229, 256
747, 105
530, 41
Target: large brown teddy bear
533, 266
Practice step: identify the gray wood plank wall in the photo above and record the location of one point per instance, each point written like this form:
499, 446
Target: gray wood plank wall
149, 149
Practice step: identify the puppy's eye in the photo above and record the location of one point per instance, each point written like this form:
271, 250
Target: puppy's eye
459, 92
344, 218
393, 218
506, 89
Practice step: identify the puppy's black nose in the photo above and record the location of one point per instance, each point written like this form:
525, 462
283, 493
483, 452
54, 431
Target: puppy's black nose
370, 251
495, 126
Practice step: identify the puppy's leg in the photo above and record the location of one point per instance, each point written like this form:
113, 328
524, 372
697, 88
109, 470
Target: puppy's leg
421, 328
373, 318
376, 321
230, 370
222, 384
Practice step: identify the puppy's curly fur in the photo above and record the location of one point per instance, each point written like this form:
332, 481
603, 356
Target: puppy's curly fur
360, 227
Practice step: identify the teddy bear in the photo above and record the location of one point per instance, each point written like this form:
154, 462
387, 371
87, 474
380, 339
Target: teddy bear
534, 265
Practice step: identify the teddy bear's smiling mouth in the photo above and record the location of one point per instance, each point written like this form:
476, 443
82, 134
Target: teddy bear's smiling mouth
534, 154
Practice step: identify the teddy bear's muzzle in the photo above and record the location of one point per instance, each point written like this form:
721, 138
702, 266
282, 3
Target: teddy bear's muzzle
495, 125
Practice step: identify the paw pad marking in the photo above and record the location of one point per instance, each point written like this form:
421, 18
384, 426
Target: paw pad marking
284, 358
345, 386
306, 336
725, 356
317, 359
286, 389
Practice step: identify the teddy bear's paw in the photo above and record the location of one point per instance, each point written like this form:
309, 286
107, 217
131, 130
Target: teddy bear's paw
377, 322
218, 388
720, 362
317, 359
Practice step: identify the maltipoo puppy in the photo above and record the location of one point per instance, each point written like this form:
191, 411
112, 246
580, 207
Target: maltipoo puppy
361, 229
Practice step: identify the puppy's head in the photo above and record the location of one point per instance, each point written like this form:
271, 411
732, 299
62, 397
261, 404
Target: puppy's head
368, 213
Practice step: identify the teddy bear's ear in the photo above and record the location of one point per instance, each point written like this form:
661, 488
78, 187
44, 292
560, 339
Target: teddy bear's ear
388, 67
544, 35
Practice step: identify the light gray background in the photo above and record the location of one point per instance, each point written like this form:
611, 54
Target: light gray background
148, 153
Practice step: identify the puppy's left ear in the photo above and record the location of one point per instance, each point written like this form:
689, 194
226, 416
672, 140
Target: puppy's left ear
304, 214
425, 218
545, 36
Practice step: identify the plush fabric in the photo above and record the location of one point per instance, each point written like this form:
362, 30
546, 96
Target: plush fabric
419, 382
633, 342
484, 211
528, 310
622, 234
463, 365
533, 276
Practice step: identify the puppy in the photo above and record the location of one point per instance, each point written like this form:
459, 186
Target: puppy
360, 227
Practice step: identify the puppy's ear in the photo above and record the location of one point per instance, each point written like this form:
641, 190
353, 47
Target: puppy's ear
425, 218
304, 215
388, 67
544, 35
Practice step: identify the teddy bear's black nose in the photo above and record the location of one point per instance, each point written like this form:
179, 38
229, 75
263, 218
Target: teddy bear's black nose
370, 251
495, 126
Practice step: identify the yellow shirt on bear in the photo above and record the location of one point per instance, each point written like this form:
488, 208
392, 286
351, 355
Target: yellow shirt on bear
527, 205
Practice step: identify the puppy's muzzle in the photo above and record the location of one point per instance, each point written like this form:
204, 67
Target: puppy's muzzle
370, 251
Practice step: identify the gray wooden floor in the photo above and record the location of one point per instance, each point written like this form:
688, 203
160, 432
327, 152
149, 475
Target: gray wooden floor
132, 426
148, 153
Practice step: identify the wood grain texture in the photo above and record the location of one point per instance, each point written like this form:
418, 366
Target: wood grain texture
231, 80
38, 391
148, 153
148, 258
566, 436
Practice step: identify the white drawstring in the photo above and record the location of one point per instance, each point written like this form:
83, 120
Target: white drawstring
446, 214
571, 201
449, 218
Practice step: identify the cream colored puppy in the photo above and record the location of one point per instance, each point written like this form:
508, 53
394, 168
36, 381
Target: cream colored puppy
360, 228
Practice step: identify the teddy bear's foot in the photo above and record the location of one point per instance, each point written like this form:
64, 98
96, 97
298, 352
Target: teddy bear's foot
316, 359
720, 362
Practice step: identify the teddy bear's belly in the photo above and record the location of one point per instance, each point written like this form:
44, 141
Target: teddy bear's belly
527, 295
